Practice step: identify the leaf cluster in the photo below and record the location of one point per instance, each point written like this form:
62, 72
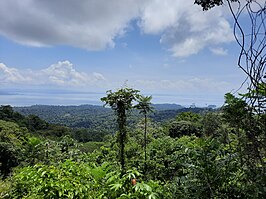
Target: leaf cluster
208, 4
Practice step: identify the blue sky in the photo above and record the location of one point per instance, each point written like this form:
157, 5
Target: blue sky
170, 49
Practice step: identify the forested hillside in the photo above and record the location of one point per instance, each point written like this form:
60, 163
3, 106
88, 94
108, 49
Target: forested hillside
192, 155
91, 116
93, 123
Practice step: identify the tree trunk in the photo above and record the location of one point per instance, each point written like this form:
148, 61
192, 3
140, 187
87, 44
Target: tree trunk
145, 144
122, 138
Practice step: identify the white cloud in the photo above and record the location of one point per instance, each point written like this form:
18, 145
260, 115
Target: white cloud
62, 74
98, 76
193, 30
184, 86
11, 75
94, 24
218, 51
159, 15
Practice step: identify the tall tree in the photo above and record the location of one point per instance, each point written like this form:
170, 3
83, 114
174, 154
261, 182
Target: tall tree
121, 102
144, 107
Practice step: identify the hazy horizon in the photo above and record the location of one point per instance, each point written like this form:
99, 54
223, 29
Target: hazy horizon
16, 97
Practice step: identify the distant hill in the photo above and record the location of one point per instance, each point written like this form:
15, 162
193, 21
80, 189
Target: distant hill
94, 116
163, 107
73, 116
164, 115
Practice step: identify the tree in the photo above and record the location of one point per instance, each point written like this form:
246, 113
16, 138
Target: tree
181, 128
207, 4
211, 122
121, 102
250, 131
186, 123
12, 146
144, 107
188, 116
35, 123
236, 113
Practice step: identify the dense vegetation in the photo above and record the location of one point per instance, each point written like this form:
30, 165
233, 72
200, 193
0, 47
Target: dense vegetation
128, 152
91, 116
93, 123
212, 154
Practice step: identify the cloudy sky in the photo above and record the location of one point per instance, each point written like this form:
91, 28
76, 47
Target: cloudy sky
164, 48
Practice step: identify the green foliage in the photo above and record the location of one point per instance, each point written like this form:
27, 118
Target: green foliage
213, 170
165, 115
67, 180
249, 129
55, 131
144, 104
204, 167
79, 180
208, 4
12, 146
89, 147
227, 162
260, 91
89, 135
135, 150
72, 116
181, 128
211, 122
188, 116
121, 102
159, 164
144, 107
19, 147
235, 110
186, 123
7, 114
36, 123
166, 157
5, 187
91, 123
123, 187
33, 123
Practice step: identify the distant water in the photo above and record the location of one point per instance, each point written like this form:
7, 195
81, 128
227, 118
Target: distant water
20, 98
53, 97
